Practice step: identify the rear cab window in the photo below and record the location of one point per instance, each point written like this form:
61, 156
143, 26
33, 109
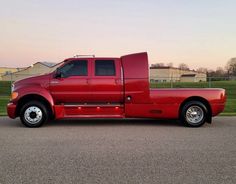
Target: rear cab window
105, 68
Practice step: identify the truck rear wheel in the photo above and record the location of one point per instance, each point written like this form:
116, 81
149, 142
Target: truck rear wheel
193, 114
33, 114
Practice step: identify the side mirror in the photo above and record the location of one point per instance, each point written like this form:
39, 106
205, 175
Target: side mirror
58, 74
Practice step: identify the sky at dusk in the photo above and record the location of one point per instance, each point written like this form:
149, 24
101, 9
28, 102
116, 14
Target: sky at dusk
200, 33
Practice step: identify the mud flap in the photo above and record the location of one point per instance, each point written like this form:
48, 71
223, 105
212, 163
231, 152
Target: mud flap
209, 119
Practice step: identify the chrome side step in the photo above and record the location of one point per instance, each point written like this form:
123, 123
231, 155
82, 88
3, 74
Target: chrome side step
93, 105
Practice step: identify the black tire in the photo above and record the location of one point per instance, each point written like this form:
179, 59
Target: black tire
38, 111
188, 119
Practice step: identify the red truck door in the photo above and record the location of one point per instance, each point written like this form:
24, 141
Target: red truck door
106, 81
73, 85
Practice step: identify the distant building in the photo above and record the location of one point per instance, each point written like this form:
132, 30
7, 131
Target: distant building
38, 68
167, 74
7, 70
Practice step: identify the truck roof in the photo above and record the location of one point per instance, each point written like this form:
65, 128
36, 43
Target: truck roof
86, 58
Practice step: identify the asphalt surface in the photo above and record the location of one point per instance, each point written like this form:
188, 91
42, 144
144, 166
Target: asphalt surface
118, 151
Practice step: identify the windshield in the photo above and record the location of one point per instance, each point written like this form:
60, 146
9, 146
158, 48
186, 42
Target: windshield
54, 69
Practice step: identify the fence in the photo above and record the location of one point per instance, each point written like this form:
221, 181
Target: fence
228, 83
190, 81
189, 78
14, 76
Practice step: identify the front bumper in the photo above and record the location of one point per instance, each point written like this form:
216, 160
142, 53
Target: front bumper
11, 110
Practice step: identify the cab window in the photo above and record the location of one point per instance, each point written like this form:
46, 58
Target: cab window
105, 68
75, 68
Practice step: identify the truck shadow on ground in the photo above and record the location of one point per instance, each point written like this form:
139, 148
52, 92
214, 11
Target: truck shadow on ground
113, 122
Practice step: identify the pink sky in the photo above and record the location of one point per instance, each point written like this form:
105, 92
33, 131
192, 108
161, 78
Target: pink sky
200, 33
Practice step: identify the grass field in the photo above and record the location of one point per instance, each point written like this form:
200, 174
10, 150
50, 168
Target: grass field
5, 88
230, 86
3, 102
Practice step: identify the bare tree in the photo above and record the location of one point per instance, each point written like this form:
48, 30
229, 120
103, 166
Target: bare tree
202, 70
158, 65
169, 64
220, 72
231, 67
183, 66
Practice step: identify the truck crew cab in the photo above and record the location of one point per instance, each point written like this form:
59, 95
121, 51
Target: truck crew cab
109, 88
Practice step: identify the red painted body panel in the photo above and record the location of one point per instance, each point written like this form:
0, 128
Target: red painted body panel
106, 88
175, 97
136, 78
89, 111
166, 102
38, 85
70, 89
125, 95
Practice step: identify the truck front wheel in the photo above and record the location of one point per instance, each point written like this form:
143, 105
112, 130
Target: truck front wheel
194, 114
33, 114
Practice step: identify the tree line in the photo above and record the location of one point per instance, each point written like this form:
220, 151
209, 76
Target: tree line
229, 70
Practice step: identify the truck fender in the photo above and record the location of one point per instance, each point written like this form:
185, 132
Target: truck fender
27, 92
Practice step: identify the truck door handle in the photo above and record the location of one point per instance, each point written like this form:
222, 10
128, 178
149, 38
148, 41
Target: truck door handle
87, 81
117, 81
129, 98
54, 82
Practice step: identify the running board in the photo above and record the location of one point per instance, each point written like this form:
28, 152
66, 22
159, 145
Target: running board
89, 111
93, 105
94, 116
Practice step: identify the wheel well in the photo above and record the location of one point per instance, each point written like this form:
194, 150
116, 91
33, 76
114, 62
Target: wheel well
33, 97
199, 99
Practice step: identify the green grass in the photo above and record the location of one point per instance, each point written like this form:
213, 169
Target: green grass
227, 114
230, 106
230, 86
5, 88
3, 102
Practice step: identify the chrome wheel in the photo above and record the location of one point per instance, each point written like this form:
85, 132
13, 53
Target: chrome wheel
33, 115
194, 114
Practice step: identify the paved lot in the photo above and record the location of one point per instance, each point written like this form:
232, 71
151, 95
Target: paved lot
112, 151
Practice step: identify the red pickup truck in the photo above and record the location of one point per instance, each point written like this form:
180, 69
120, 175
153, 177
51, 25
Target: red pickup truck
109, 88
